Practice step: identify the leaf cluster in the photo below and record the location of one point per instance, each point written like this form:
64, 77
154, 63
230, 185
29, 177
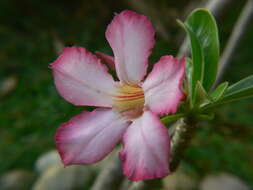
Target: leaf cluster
202, 68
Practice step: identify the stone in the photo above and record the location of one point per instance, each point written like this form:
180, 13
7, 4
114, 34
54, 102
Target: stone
64, 178
7, 85
53, 174
180, 181
17, 179
223, 181
47, 160
52, 158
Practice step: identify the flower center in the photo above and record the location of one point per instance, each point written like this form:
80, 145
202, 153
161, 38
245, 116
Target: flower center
129, 101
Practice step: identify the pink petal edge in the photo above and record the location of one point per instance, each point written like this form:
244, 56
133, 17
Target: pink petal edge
131, 37
109, 60
81, 79
146, 149
90, 136
163, 86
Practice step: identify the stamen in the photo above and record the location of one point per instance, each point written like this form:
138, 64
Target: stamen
129, 101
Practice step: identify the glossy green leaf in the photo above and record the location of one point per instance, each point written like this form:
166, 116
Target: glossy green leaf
219, 91
197, 66
239, 90
202, 29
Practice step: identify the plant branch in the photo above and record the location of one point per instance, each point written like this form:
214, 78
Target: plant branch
110, 177
184, 131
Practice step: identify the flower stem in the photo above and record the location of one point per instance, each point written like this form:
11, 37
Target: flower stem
184, 131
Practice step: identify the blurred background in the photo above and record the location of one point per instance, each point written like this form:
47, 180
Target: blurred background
33, 32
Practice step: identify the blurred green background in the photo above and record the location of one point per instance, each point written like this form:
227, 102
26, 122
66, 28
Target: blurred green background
31, 35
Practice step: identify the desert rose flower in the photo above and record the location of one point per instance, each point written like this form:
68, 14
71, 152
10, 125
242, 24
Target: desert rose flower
130, 107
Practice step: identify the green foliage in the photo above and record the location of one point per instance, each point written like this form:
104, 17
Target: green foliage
202, 31
197, 62
203, 25
239, 90
201, 74
217, 146
169, 118
219, 92
201, 95
223, 94
30, 114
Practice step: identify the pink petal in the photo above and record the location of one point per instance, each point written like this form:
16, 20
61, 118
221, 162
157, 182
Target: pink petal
107, 59
145, 154
89, 136
131, 37
163, 86
81, 79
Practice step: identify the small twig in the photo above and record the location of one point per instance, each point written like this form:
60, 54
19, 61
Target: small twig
125, 184
217, 6
110, 177
146, 185
238, 33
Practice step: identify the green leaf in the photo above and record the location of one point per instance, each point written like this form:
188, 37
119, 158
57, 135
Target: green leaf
188, 79
201, 95
239, 90
169, 118
219, 91
203, 32
206, 116
197, 66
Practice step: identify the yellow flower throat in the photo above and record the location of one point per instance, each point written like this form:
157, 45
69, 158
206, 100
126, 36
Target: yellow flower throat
129, 100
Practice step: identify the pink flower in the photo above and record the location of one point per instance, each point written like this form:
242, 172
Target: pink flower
131, 107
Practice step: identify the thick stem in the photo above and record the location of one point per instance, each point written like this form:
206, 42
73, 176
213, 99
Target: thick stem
184, 131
